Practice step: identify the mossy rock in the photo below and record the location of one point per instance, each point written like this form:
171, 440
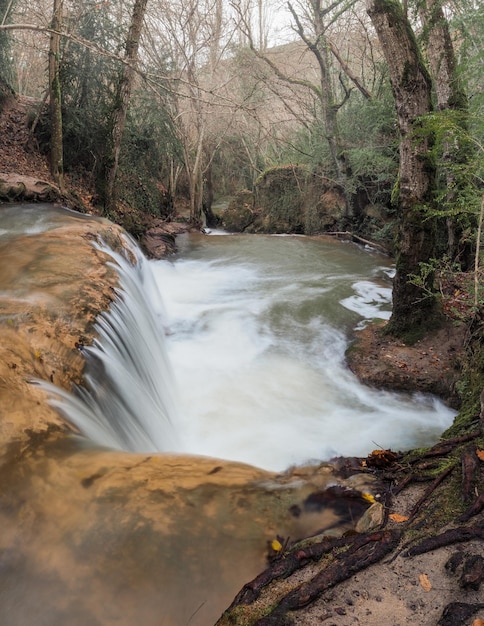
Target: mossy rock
17, 188
240, 213
280, 195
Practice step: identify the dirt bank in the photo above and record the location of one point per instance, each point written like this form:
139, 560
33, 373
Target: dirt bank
432, 365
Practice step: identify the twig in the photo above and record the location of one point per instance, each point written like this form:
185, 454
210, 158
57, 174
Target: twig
428, 491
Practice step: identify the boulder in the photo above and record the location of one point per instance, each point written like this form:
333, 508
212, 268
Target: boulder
19, 188
240, 213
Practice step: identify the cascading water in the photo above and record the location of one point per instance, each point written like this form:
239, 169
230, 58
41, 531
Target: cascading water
128, 401
257, 345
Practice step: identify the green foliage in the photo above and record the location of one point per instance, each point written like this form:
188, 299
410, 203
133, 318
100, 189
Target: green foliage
149, 141
280, 191
458, 157
467, 24
87, 84
370, 133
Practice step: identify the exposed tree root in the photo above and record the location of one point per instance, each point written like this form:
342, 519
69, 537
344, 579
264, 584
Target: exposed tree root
286, 565
449, 537
337, 560
364, 551
475, 508
470, 473
430, 490
457, 613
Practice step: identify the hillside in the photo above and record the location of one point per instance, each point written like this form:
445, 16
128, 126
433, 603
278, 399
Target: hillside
25, 176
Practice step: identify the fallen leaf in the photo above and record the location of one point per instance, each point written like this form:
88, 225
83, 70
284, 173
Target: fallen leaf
396, 517
480, 454
425, 582
368, 497
478, 622
276, 545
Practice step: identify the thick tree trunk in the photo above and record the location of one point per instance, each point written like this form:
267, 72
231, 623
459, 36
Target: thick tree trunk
449, 94
441, 57
414, 310
120, 109
56, 139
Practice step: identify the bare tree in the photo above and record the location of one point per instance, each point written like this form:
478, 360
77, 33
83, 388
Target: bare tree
120, 109
56, 141
311, 21
196, 34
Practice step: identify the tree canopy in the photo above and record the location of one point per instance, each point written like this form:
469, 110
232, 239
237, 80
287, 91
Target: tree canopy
163, 104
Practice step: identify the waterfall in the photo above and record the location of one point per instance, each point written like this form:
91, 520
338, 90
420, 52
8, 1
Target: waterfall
257, 343
128, 400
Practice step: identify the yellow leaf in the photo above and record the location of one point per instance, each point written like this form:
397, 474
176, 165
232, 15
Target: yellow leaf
480, 454
276, 545
396, 517
368, 497
425, 582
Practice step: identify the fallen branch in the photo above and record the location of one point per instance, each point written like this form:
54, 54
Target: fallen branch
358, 239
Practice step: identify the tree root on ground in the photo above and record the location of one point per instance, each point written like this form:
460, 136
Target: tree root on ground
266, 601
457, 613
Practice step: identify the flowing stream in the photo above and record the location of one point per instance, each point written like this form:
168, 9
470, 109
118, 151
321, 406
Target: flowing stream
257, 332
253, 364
233, 349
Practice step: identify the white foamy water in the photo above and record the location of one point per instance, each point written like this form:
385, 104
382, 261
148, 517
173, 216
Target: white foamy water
258, 328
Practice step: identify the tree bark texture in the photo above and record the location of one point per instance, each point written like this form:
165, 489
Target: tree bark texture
55, 104
120, 108
448, 94
440, 55
412, 90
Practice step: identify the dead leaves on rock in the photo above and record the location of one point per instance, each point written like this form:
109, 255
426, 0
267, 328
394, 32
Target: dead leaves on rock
381, 459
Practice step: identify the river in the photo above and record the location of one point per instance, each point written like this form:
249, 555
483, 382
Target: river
257, 332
